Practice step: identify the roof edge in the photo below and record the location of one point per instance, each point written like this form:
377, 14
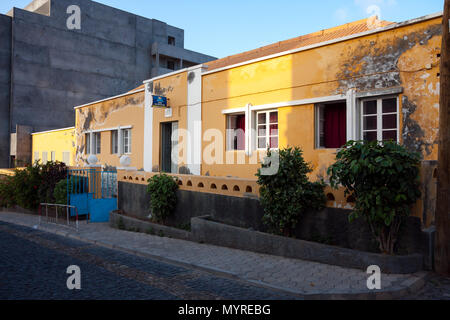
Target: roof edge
325, 43
110, 98
54, 130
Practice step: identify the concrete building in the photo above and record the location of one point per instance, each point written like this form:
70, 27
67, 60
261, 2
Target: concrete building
46, 69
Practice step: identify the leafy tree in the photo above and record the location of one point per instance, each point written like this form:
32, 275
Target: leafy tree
384, 179
288, 194
163, 198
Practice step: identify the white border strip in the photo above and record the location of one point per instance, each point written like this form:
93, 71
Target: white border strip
325, 43
110, 98
108, 129
287, 104
55, 130
175, 73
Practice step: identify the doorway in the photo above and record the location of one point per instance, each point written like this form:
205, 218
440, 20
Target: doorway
169, 147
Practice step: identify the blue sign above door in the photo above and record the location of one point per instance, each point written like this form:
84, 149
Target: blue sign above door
159, 101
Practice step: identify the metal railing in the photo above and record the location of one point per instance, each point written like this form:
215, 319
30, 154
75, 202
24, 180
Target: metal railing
66, 220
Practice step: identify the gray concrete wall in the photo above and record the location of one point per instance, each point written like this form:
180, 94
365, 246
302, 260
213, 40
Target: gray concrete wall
55, 69
5, 77
329, 226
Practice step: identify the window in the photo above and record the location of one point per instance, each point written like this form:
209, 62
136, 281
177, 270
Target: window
66, 158
97, 143
331, 125
267, 129
171, 64
126, 140
114, 142
236, 132
87, 143
171, 41
36, 156
53, 156
44, 157
379, 118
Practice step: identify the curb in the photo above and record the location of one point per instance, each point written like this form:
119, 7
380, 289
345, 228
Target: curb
407, 287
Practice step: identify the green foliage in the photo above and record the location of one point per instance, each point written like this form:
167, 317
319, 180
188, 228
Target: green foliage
51, 174
163, 198
6, 192
288, 194
384, 179
60, 192
26, 187
31, 186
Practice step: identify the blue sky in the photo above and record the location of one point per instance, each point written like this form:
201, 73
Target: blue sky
221, 28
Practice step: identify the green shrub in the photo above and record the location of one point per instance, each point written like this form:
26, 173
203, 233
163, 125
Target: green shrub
7, 192
288, 194
26, 187
163, 198
384, 179
31, 186
60, 192
51, 174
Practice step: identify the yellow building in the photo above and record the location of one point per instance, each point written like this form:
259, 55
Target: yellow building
54, 145
110, 129
370, 79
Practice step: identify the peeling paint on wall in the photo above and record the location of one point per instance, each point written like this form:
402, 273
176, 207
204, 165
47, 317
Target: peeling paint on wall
374, 65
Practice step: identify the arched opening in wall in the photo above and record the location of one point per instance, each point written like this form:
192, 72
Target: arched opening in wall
213, 186
130, 178
143, 179
236, 189
137, 178
201, 185
189, 183
180, 183
351, 199
224, 187
330, 197
249, 189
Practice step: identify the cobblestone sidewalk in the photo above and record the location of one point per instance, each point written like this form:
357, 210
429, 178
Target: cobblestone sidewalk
306, 279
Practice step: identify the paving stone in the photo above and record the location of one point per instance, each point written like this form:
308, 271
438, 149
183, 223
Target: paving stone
291, 274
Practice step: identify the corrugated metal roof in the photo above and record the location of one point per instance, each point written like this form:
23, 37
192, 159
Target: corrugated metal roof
302, 41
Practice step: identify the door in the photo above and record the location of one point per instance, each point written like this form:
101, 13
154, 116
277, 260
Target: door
169, 147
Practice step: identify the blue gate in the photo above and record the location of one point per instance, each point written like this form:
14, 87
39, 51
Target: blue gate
92, 192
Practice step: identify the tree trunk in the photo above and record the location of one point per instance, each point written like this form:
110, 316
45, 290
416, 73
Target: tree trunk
442, 249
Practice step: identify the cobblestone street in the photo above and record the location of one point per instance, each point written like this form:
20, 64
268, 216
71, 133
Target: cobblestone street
34, 265
36, 258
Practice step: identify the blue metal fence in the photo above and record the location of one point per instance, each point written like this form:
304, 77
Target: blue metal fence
92, 192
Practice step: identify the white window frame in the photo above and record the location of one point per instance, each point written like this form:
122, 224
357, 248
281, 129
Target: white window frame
97, 142
114, 141
88, 140
66, 154
231, 132
379, 115
126, 141
268, 136
44, 157
319, 122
